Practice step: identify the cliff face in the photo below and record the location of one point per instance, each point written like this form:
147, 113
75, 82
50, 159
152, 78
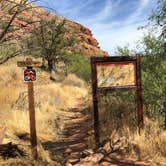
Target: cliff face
88, 45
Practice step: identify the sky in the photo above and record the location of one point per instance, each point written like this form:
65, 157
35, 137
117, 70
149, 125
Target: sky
112, 22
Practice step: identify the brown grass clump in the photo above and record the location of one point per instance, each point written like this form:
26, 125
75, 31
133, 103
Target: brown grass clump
50, 99
152, 142
73, 80
149, 146
120, 117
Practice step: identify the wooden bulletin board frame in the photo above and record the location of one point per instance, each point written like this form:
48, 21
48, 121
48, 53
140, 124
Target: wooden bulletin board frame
136, 61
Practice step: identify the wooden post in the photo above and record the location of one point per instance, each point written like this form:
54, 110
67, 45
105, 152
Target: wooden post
136, 61
33, 138
139, 94
95, 103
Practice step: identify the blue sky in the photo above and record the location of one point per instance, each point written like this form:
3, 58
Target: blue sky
113, 22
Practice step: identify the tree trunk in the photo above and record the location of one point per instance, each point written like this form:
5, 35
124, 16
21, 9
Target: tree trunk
51, 68
50, 65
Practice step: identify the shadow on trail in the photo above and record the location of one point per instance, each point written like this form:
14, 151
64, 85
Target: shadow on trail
73, 139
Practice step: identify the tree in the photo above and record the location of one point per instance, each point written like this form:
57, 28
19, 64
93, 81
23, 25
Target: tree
123, 51
10, 11
80, 65
50, 39
158, 18
154, 63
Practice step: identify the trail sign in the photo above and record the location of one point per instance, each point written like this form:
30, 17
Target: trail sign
28, 63
29, 77
112, 74
115, 74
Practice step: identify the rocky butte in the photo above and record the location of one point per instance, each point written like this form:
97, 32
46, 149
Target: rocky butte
88, 45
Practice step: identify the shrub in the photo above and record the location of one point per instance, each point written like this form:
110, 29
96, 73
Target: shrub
80, 65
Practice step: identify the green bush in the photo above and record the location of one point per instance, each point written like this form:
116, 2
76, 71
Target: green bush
80, 65
7, 49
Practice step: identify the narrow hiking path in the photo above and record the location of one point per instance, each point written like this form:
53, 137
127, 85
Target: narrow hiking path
71, 148
72, 141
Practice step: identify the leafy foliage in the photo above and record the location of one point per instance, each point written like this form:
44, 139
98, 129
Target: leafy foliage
123, 51
50, 41
158, 18
79, 64
153, 63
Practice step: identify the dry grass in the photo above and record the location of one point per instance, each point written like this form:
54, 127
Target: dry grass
120, 118
50, 99
149, 146
152, 142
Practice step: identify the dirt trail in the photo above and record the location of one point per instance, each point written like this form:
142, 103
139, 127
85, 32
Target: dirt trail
73, 141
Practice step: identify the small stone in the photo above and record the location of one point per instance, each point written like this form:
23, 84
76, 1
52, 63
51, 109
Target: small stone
87, 152
85, 163
93, 158
68, 150
73, 160
53, 76
105, 163
107, 147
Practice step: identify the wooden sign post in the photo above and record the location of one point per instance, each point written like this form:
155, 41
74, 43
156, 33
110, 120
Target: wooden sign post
116, 74
29, 77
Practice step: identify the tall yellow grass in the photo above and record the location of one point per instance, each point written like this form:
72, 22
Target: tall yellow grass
50, 99
152, 142
150, 145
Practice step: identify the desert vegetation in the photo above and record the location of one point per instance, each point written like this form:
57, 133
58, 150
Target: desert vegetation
65, 100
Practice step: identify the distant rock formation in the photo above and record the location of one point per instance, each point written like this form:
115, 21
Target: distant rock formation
88, 45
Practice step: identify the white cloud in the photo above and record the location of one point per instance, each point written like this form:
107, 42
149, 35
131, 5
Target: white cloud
115, 33
104, 13
109, 31
138, 12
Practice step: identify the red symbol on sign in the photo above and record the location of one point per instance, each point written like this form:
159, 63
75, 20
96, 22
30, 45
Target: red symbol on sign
29, 75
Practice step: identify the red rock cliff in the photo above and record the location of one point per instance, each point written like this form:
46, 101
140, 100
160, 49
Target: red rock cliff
88, 45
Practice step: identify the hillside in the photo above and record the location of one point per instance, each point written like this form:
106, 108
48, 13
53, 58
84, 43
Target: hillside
24, 22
